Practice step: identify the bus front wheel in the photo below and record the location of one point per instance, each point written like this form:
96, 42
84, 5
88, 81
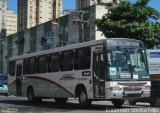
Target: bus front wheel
118, 102
83, 98
132, 102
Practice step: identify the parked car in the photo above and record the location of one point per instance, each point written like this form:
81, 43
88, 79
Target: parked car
4, 89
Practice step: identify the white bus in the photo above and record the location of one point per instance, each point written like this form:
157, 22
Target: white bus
109, 69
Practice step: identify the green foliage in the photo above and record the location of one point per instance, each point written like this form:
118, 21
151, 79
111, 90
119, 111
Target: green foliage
132, 20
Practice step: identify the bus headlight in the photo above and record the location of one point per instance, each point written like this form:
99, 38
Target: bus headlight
115, 88
147, 87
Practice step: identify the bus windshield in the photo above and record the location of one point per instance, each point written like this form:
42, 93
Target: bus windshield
127, 63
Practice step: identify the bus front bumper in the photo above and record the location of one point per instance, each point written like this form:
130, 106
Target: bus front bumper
127, 94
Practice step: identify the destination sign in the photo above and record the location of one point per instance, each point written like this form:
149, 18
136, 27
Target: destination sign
124, 42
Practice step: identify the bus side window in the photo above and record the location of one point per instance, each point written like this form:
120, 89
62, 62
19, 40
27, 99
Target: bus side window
67, 61
31, 65
42, 64
82, 58
54, 62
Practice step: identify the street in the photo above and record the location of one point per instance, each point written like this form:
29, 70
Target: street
21, 105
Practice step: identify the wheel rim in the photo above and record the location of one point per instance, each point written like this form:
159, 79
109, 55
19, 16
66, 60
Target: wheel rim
82, 97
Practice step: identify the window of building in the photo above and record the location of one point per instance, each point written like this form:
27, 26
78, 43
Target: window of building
67, 61
53, 63
82, 58
42, 64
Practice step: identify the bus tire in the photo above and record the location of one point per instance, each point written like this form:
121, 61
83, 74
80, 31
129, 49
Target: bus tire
31, 96
132, 102
61, 100
118, 102
83, 98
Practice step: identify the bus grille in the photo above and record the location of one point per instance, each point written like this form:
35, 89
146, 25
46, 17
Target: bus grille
132, 89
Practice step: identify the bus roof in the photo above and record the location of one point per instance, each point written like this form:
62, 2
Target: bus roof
58, 49
68, 47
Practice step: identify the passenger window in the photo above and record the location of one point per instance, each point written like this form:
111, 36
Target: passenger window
67, 61
42, 64
32, 65
53, 63
82, 58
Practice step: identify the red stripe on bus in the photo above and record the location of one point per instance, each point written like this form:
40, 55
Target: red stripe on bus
44, 79
41, 78
13, 82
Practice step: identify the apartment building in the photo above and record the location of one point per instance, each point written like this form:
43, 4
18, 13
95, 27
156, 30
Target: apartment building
8, 26
35, 12
3, 7
11, 22
80, 4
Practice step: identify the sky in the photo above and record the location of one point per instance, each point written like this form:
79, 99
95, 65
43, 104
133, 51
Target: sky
67, 4
70, 4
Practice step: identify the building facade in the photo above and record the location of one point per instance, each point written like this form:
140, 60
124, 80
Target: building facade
61, 31
3, 7
11, 22
35, 12
80, 4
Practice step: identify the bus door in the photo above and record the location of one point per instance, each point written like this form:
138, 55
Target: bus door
18, 79
98, 75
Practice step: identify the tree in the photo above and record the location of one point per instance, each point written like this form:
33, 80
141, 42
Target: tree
131, 20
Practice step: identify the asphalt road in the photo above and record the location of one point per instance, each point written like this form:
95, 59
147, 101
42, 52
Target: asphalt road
21, 105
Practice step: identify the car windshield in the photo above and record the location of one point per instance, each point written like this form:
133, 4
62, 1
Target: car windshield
127, 63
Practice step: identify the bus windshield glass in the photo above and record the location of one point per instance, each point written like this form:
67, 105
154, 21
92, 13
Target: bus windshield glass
127, 63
